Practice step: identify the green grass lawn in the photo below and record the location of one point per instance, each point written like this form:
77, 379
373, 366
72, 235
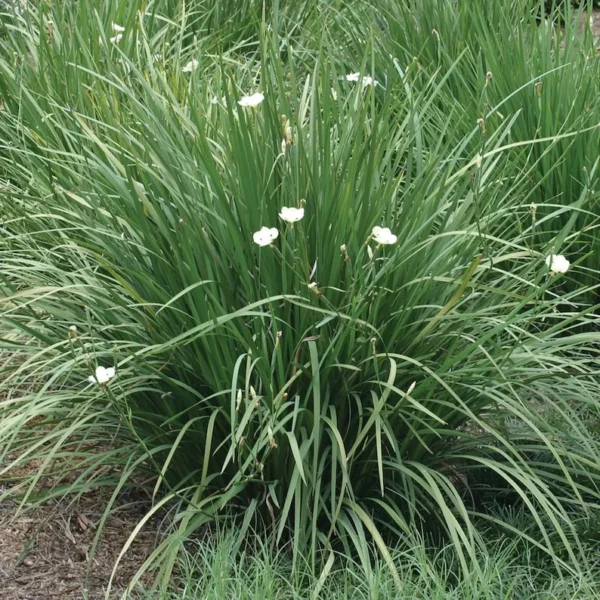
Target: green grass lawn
323, 276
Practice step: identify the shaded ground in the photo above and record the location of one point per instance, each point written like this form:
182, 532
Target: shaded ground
594, 20
46, 554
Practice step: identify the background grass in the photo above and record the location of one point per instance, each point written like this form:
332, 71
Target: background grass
206, 571
419, 392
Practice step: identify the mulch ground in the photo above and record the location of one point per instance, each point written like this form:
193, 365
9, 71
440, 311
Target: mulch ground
594, 22
45, 554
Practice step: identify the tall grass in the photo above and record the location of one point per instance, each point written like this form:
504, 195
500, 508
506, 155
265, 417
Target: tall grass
544, 74
331, 392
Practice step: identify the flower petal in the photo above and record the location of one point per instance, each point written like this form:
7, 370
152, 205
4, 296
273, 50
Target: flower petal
557, 263
383, 235
291, 215
251, 101
265, 235
191, 66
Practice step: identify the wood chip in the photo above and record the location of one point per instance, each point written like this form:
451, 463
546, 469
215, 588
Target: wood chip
83, 522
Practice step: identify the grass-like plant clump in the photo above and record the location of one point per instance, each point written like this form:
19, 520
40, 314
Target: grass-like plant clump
325, 271
213, 571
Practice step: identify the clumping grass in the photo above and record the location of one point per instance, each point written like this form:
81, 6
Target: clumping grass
343, 390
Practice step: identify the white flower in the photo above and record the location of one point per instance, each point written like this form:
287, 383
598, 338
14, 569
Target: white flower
557, 263
103, 375
117, 28
313, 286
265, 236
291, 215
283, 146
366, 80
382, 235
117, 38
251, 101
191, 66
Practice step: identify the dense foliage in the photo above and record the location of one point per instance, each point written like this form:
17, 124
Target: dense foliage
333, 386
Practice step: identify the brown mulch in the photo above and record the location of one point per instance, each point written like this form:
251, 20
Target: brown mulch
593, 22
45, 553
